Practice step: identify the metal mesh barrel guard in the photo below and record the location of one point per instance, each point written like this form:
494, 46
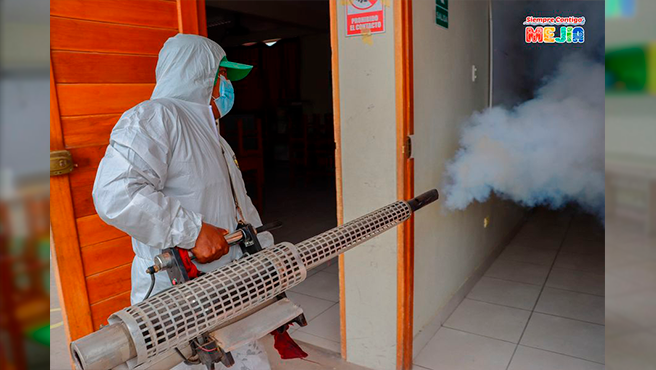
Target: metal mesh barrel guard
176, 316
316, 250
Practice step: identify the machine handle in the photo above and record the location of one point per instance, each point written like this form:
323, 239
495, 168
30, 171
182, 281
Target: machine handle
424, 199
237, 236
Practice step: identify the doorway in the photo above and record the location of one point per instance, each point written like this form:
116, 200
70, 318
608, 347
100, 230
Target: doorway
281, 129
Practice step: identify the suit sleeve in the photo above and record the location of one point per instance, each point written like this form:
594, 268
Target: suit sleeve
127, 190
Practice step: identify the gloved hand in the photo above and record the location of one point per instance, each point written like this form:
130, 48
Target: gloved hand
210, 244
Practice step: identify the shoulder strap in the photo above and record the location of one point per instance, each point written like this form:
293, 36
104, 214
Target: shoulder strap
240, 215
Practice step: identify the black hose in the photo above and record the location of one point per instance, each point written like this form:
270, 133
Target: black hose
152, 284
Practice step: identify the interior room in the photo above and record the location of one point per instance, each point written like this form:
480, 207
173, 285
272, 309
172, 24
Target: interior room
281, 128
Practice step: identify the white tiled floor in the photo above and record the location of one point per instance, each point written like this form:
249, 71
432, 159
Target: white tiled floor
318, 295
540, 306
452, 349
489, 320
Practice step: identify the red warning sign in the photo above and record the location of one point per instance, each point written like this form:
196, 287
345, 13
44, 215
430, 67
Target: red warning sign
365, 14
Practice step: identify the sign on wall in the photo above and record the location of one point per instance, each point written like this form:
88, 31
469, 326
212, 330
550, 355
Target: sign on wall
442, 13
365, 17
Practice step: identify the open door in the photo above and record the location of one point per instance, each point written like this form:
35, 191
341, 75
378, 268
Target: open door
103, 55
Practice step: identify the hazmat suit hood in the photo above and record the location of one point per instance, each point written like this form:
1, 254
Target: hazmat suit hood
187, 67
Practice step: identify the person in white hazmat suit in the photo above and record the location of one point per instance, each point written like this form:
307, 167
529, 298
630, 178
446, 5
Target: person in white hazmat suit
167, 177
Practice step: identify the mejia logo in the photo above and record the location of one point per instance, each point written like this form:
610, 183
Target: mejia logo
571, 30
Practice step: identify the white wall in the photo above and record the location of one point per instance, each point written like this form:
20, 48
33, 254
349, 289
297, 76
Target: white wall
449, 246
368, 124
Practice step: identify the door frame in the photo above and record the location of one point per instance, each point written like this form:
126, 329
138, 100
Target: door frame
334, 63
404, 91
404, 71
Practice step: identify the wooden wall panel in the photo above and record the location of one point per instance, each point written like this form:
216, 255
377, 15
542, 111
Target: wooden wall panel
107, 255
141, 12
69, 272
188, 16
84, 67
80, 35
83, 200
109, 283
94, 230
82, 179
100, 311
89, 99
202, 18
87, 159
82, 131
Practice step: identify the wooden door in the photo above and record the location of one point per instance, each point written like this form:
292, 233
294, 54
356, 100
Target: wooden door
103, 55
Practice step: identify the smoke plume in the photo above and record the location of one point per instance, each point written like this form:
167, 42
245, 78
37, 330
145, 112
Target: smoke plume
546, 151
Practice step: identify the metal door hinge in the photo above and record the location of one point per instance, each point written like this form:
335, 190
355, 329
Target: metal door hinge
61, 162
407, 147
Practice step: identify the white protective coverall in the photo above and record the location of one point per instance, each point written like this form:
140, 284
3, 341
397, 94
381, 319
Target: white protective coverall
166, 170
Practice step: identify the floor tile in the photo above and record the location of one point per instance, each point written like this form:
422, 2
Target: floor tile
535, 359
538, 231
489, 320
326, 325
581, 262
532, 242
455, 350
315, 341
557, 228
322, 285
583, 246
333, 267
572, 305
321, 267
588, 228
507, 293
530, 255
311, 306
518, 271
545, 224
576, 281
417, 367
318, 358
565, 336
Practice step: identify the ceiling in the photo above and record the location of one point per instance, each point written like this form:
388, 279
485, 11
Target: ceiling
233, 23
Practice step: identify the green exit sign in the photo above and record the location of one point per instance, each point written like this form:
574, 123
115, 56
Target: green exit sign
442, 13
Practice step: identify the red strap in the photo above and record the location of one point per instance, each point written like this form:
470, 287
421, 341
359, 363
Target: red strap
192, 270
286, 347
